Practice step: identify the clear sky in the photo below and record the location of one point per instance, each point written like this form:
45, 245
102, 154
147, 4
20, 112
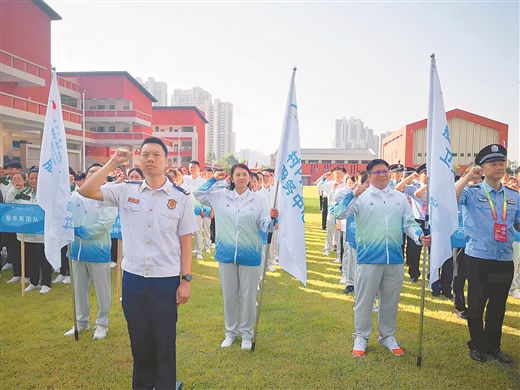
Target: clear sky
369, 60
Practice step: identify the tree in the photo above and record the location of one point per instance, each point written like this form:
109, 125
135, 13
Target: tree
228, 161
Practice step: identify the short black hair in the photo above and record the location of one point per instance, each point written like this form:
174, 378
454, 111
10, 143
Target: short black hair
13, 164
340, 169
80, 176
95, 165
71, 171
155, 140
371, 164
195, 162
138, 170
209, 170
32, 170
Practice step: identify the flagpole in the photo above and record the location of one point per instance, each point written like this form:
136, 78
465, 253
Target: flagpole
426, 253
22, 257
260, 298
76, 336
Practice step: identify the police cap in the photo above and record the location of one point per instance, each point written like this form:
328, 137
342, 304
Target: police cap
493, 152
421, 169
396, 167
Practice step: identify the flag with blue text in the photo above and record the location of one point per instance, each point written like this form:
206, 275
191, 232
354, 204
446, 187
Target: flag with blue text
288, 173
53, 192
442, 202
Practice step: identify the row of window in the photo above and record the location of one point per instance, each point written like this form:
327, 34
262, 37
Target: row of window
103, 107
454, 154
111, 129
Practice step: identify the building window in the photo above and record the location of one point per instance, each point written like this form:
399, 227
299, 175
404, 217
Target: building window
454, 154
157, 128
170, 129
353, 161
365, 161
326, 161
126, 129
92, 107
93, 129
313, 161
101, 107
112, 107
419, 154
126, 107
468, 154
101, 129
111, 129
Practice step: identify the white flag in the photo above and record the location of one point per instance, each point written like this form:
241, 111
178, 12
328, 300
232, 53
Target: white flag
288, 174
442, 202
53, 192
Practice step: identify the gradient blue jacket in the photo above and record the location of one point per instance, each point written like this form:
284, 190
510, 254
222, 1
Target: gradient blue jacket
379, 223
239, 217
92, 223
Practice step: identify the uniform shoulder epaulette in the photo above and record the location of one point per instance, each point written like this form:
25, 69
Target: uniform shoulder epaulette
512, 189
184, 191
133, 181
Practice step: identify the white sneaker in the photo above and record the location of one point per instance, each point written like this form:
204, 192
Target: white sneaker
207, 250
7, 266
326, 253
514, 293
100, 333
213, 245
228, 342
45, 290
246, 345
57, 271
113, 265
80, 329
360, 346
343, 280
199, 257
270, 268
391, 343
15, 279
337, 261
66, 280
59, 279
375, 308
194, 251
31, 287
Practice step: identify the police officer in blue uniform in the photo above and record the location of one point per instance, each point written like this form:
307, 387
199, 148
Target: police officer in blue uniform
492, 214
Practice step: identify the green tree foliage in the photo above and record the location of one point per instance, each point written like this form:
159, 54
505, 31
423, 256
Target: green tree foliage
227, 161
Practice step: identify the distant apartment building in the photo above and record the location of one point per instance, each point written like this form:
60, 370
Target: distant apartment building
353, 134
158, 89
253, 158
219, 137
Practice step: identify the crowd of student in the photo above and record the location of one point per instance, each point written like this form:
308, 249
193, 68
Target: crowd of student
160, 208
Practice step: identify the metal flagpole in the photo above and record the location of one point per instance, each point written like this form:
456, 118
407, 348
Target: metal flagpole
426, 252
264, 268
22, 257
76, 336
118, 268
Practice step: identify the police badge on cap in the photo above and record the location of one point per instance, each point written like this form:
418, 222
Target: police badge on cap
493, 152
396, 167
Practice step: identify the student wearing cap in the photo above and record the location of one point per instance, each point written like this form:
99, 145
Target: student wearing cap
381, 215
157, 222
493, 212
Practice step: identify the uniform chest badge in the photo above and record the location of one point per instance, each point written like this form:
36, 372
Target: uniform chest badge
133, 200
172, 203
510, 201
482, 199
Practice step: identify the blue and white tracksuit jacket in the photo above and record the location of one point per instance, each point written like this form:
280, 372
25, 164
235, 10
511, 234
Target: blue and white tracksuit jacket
239, 217
92, 223
379, 224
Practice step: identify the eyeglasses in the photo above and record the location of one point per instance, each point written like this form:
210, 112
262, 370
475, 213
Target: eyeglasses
383, 172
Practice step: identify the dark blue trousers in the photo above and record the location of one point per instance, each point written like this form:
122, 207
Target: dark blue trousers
150, 310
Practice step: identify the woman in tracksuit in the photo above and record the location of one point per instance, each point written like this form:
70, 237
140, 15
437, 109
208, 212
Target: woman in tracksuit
241, 213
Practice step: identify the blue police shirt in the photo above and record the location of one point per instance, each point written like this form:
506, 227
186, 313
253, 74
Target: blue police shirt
479, 222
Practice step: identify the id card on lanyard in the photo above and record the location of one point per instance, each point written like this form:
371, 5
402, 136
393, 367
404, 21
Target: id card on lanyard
499, 229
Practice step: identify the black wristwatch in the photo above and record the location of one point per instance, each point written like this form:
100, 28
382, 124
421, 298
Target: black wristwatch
187, 277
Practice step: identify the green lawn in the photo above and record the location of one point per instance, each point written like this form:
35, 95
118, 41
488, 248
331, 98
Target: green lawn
304, 339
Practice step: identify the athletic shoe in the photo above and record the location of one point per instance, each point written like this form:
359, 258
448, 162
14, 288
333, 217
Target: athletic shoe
7, 266
501, 357
80, 329
343, 280
337, 261
31, 287
207, 250
113, 265
66, 280
270, 268
514, 293
326, 253
391, 343
59, 279
194, 251
360, 346
246, 345
15, 279
199, 257
414, 280
100, 333
349, 290
228, 342
45, 289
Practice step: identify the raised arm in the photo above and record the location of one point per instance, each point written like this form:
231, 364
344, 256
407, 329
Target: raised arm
91, 188
474, 174
406, 181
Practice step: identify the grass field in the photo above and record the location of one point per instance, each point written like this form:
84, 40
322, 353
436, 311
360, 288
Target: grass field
304, 338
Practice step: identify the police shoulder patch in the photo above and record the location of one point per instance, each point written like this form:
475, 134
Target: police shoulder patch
184, 191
